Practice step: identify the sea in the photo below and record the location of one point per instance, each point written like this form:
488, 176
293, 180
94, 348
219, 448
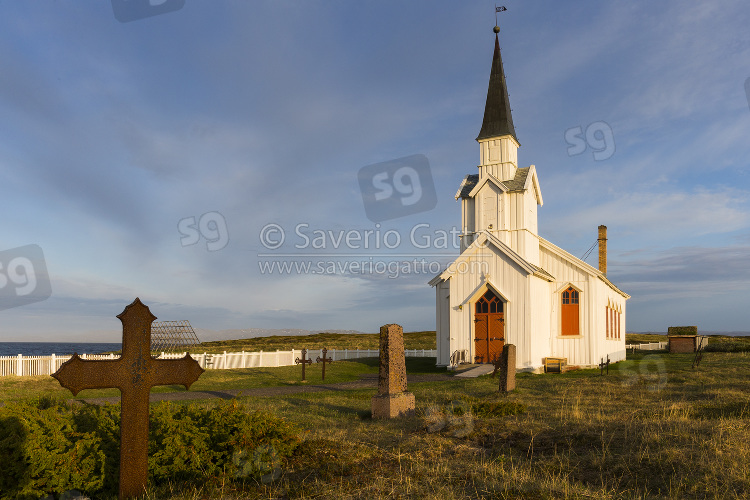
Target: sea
57, 348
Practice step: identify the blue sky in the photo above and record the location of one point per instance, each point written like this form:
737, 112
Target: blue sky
260, 113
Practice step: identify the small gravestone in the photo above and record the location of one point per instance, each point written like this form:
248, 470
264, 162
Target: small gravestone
392, 399
507, 368
135, 373
604, 365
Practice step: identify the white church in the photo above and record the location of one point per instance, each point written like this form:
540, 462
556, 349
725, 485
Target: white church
511, 286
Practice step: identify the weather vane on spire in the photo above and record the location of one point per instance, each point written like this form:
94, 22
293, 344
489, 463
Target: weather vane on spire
496, 29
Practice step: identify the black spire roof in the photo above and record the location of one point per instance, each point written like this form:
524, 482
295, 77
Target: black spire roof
497, 118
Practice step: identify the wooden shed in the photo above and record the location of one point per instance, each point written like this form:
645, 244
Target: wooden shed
682, 339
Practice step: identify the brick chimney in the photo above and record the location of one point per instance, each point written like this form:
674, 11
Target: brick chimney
603, 249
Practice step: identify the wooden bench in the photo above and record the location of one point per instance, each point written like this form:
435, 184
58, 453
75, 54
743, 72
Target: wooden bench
554, 365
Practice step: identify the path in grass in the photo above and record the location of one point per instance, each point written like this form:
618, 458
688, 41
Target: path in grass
366, 382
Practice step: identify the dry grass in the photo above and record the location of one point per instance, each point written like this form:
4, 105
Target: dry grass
653, 428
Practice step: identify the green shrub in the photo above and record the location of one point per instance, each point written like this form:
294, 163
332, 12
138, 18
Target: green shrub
48, 447
739, 345
43, 451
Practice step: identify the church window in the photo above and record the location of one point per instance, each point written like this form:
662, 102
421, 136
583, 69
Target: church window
609, 330
570, 316
489, 303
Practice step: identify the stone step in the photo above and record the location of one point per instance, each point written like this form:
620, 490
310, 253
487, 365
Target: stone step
476, 371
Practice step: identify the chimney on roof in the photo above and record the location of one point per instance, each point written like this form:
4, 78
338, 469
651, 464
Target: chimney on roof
603, 249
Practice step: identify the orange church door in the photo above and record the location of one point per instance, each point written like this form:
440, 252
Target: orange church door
489, 328
569, 312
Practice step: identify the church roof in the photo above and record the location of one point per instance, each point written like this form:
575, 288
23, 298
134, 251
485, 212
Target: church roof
486, 236
518, 183
497, 117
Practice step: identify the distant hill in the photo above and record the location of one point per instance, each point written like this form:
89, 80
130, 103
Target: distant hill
205, 335
330, 340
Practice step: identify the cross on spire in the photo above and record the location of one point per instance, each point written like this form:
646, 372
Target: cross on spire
135, 373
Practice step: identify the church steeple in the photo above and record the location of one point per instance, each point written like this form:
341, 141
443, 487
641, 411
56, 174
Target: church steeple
497, 140
498, 120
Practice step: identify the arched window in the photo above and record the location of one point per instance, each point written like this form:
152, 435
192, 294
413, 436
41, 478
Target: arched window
489, 303
569, 312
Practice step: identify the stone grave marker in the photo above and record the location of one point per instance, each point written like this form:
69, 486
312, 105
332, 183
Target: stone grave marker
304, 362
507, 368
392, 399
135, 373
324, 360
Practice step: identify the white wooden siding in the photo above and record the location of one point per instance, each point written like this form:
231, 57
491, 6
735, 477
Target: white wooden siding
442, 323
511, 282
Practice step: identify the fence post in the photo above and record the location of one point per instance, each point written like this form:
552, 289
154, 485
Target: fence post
53, 367
19, 366
333, 354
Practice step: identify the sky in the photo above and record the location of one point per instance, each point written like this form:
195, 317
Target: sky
160, 151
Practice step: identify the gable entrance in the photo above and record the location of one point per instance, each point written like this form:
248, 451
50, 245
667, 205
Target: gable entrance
489, 328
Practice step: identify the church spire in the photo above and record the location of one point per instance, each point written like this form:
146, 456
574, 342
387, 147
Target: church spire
497, 118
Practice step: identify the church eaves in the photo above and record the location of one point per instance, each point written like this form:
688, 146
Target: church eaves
497, 117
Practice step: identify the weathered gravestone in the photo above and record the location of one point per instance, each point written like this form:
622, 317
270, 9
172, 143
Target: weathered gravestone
507, 368
135, 373
392, 399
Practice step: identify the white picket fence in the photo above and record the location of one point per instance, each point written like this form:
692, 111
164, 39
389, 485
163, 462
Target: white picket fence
651, 346
47, 365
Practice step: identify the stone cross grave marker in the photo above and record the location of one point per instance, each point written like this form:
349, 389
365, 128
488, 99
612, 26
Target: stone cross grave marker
135, 373
304, 362
324, 360
392, 399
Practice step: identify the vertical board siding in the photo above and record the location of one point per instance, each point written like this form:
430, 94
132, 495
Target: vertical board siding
511, 283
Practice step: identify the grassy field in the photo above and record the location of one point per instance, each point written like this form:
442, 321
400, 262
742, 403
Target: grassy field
653, 428
23, 388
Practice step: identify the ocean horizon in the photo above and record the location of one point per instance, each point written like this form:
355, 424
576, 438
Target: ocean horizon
57, 348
